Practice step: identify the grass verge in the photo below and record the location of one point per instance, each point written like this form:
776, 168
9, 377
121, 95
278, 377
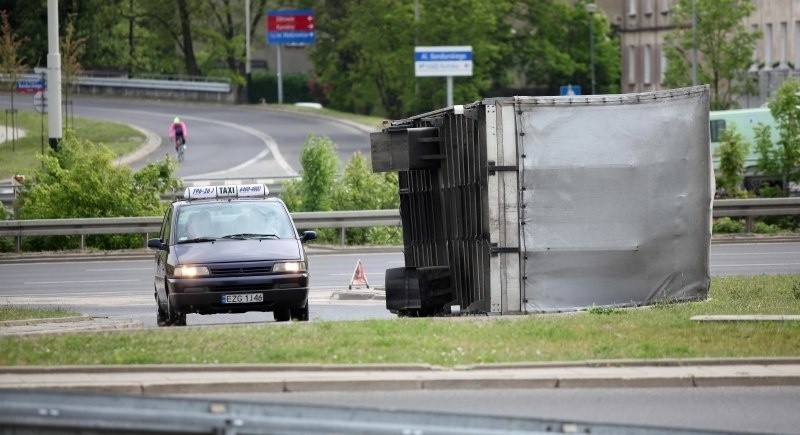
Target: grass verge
660, 331
14, 312
20, 157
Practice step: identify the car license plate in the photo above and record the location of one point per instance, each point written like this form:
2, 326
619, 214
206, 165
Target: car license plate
243, 298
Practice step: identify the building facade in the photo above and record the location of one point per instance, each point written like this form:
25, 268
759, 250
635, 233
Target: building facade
642, 26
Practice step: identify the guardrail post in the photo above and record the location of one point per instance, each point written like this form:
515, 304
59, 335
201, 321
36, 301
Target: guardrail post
146, 236
18, 241
83, 241
748, 224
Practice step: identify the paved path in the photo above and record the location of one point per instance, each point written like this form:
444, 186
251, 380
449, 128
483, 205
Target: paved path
7, 134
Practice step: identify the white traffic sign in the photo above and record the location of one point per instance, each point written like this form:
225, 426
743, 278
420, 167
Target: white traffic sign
443, 61
40, 102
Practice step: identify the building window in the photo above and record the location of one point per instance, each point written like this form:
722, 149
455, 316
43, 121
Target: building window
768, 46
797, 44
632, 8
664, 7
648, 65
647, 7
631, 64
783, 44
754, 64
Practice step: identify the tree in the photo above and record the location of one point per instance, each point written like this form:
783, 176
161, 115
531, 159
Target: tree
732, 150
11, 63
725, 48
781, 160
71, 50
364, 55
551, 46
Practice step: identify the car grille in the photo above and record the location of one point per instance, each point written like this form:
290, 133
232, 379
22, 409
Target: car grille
239, 271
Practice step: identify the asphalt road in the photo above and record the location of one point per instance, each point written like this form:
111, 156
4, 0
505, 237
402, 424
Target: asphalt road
224, 141
123, 289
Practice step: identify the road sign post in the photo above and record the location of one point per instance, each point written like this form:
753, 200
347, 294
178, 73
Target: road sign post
40, 102
443, 61
295, 27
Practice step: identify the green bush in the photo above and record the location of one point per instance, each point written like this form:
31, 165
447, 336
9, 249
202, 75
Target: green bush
727, 225
765, 228
318, 189
264, 86
82, 180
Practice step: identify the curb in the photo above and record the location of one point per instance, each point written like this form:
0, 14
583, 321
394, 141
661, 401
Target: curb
243, 378
40, 321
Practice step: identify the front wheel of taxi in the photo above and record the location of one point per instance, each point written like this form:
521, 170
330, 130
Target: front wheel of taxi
161, 315
170, 317
300, 314
282, 315
175, 318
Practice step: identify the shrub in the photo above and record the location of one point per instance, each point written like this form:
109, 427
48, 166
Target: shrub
359, 188
82, 180
765, 228
264, 85
727, 225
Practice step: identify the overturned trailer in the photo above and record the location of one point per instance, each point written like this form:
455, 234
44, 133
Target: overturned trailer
545, 204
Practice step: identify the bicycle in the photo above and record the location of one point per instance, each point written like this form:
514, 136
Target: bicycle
181, 147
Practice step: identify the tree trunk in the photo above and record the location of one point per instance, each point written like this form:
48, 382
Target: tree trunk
192, 68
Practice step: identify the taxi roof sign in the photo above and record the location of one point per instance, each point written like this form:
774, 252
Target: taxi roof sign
226, 191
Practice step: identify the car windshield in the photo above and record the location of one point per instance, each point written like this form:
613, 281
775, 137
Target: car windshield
233, 220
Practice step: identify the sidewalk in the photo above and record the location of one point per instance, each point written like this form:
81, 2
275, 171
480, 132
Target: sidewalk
8, 135
257, 378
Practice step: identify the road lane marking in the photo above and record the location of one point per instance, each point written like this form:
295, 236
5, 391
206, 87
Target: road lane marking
92, 281
756, 264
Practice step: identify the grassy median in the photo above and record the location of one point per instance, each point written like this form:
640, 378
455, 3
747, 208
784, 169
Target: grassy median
19, 157
660, 331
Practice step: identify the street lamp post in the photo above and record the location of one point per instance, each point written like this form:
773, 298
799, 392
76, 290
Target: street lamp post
591, 8
247, 74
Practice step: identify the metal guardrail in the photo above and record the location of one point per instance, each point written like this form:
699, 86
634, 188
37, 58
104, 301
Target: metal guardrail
747, 208
750, 208
152, 224
160, 83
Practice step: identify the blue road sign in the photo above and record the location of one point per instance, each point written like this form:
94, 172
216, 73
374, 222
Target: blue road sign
291, 27
443, 61
570, 90
30, 85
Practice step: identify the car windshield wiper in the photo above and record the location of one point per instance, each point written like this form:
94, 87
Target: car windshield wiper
198, 240
250, 236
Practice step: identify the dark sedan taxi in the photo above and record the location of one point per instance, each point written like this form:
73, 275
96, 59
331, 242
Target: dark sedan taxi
229, 249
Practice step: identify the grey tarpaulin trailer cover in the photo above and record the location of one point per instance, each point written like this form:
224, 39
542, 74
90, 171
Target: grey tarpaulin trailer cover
545, 204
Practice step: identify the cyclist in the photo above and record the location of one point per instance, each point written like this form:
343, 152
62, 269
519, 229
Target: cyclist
178, 133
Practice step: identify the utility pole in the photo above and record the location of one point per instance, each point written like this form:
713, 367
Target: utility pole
591, 8
248, 76
694, 43
53, 76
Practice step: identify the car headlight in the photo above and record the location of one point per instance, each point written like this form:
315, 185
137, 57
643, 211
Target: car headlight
289, 266
186, 271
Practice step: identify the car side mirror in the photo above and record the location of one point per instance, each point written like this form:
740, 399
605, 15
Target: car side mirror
156, 244
308, 235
